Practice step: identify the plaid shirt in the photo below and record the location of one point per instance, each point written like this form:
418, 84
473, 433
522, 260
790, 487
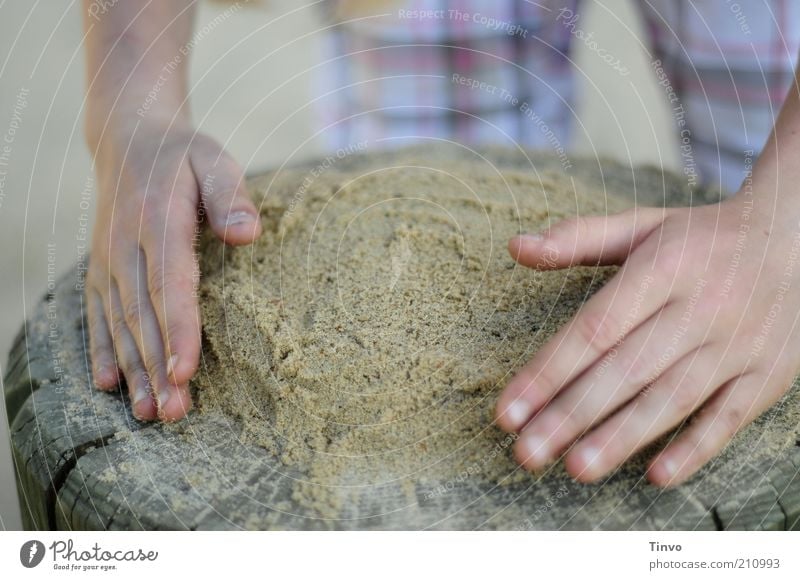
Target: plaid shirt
499, 71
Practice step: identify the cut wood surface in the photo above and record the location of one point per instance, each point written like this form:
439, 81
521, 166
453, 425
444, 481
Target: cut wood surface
83, 462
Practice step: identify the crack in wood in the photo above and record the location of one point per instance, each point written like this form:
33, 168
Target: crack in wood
61, 476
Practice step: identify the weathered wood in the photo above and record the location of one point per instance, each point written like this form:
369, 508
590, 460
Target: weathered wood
83, 462
58, 421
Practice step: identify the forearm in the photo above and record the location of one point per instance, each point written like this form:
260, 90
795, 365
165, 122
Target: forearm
776, 173
136, 62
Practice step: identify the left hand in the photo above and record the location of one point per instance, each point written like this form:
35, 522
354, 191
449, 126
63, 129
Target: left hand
700, 320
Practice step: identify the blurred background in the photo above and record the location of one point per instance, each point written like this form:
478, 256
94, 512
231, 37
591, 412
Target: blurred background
47, 166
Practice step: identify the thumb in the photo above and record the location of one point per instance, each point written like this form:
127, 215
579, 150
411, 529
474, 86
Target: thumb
230, 211
586, 241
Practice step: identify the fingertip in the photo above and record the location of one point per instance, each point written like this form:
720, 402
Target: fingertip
143, 405
535, 251
144, 410
182, 343
512, 415
574, 467
106, 377
519, 402
522, 456
519, 245
181, 368
242, 227
514, 247
662, 473
174, 403
533, 452
584, 464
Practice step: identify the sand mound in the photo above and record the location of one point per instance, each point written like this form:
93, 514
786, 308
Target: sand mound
365, 337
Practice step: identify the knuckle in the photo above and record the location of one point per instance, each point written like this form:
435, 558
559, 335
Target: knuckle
156, 277
597, 330
543, 387
136, 372
704, 309
581, 226
131, 368
633, 367
226, 165
154, 204
229, 172
221, 181
564, 231
162, 281
153, 212
133, 312
700, 446
684, 397
569, 225
155, 365
560, 425
732, 418
118, 326
169, 225
671, 257
177, 328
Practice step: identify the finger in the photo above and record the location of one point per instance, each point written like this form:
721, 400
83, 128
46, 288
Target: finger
627, 300
136, 377
644, 355
734, 406
101, 347
171, 268
231, 213
173, 401
657, 410
587, 241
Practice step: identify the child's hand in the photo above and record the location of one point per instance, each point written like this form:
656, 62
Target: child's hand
702, 315
142, 272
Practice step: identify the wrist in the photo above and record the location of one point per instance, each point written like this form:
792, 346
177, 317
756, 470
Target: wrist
760, 206
108, 123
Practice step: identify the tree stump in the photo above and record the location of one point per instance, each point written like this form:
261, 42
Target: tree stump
84, 463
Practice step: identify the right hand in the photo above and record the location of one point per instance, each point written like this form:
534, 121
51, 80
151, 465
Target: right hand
140, 287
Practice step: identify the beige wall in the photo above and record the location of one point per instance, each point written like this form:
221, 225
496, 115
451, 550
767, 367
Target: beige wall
49, 164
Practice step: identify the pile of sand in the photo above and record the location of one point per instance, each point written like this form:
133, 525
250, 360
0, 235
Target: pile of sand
365, 337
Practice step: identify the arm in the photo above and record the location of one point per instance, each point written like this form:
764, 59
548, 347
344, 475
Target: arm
154, 171
776, 174
136, 58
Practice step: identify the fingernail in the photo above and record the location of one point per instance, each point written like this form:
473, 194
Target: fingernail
668, 468
532, 237
140, 393
536, 450
240, 217
518, 413
98, 374
173, 360
163, 398
591, 459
